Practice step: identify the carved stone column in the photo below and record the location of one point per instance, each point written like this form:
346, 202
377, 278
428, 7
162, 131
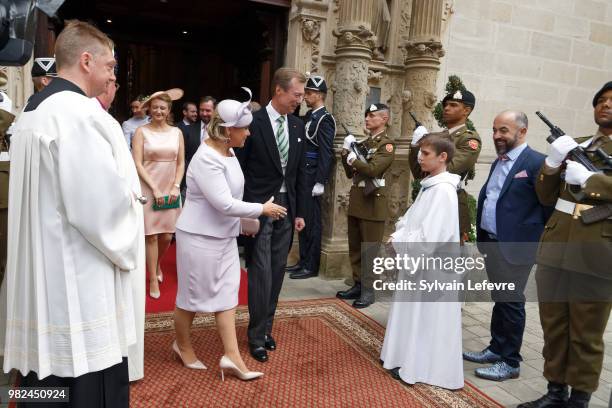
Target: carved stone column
423, 52
307, 31
355, 42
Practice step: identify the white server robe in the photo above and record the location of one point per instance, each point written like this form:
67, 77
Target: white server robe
75, 235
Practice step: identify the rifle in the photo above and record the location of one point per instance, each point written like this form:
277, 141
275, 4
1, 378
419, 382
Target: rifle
416, 122
361, 152
358, 148
578, 154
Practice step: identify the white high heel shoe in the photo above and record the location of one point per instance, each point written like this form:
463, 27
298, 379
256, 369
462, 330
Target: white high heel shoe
196, 365
227, 364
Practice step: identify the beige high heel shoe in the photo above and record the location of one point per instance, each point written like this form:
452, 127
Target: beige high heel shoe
227, 364
196, 365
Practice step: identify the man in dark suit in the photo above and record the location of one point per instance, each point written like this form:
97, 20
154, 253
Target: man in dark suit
273, 163
196, 133
509, 222
190, 116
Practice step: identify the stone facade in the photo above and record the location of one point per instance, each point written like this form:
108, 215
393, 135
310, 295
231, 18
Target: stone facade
547, 55
369, 51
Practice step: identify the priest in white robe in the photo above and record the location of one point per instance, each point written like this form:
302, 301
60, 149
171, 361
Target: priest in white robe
423, 337
75, 233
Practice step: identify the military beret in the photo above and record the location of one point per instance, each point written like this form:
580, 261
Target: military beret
375, 107
605, 88
316, 83
465, 97
44, 67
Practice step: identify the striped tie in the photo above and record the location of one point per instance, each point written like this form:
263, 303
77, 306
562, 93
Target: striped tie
281, 140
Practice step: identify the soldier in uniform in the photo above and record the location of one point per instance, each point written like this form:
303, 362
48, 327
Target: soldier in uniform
43, 72
367, 209
457, 107
573, 276
320, 132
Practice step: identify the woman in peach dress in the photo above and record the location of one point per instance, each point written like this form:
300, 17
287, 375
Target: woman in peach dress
158, 151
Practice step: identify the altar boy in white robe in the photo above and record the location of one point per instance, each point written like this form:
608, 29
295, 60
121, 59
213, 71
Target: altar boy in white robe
75, 233
423, 338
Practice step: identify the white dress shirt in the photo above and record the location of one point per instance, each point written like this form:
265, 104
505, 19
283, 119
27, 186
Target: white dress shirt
274, 115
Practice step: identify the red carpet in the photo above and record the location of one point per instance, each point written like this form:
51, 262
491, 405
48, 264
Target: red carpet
165, 303
327, 356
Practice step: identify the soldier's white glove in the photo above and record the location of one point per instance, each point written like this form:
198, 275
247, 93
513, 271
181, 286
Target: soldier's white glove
347, 142
418, 134
351, 158
318, 190
576, 173
558, 150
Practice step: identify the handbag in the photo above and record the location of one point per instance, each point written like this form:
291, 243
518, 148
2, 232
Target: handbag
249, 226
165, 205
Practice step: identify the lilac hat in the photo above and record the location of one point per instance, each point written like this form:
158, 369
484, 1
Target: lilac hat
234, 113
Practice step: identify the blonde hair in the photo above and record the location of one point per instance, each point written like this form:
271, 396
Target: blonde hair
76, 38
215, 130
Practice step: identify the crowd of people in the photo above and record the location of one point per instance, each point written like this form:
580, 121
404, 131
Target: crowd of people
94, 205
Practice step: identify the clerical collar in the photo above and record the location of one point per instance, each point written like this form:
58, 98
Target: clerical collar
58, 84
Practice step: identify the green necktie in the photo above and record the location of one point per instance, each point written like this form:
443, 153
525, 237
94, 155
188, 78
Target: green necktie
282, 141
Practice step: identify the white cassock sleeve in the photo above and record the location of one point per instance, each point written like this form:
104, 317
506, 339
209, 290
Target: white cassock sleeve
97, 200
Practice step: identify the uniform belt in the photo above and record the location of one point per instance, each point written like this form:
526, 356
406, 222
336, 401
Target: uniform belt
571, 208
312, 155
362, 182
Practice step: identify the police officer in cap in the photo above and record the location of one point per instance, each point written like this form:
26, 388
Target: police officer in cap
367, 209
320, 132
574, 274
457, 107
43, 72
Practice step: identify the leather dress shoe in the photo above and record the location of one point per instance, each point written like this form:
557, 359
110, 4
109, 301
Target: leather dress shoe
395, 373
293, 268
270, 343
303, 274
365, 300
485, 356
354, 292
499, 371
555, 398
259, 353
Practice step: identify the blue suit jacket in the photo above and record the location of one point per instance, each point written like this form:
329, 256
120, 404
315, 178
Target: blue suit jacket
520, 216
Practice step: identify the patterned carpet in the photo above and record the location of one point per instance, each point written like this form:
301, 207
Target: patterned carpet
328, 356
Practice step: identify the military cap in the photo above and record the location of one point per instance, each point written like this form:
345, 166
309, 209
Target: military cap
375, 107
44, 67
465, 97
316, 83
605, 88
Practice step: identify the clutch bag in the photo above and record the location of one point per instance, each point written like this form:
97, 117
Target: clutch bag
249, 226
165, 205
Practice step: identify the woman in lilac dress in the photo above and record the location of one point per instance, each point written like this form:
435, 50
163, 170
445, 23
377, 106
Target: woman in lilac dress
208, 266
